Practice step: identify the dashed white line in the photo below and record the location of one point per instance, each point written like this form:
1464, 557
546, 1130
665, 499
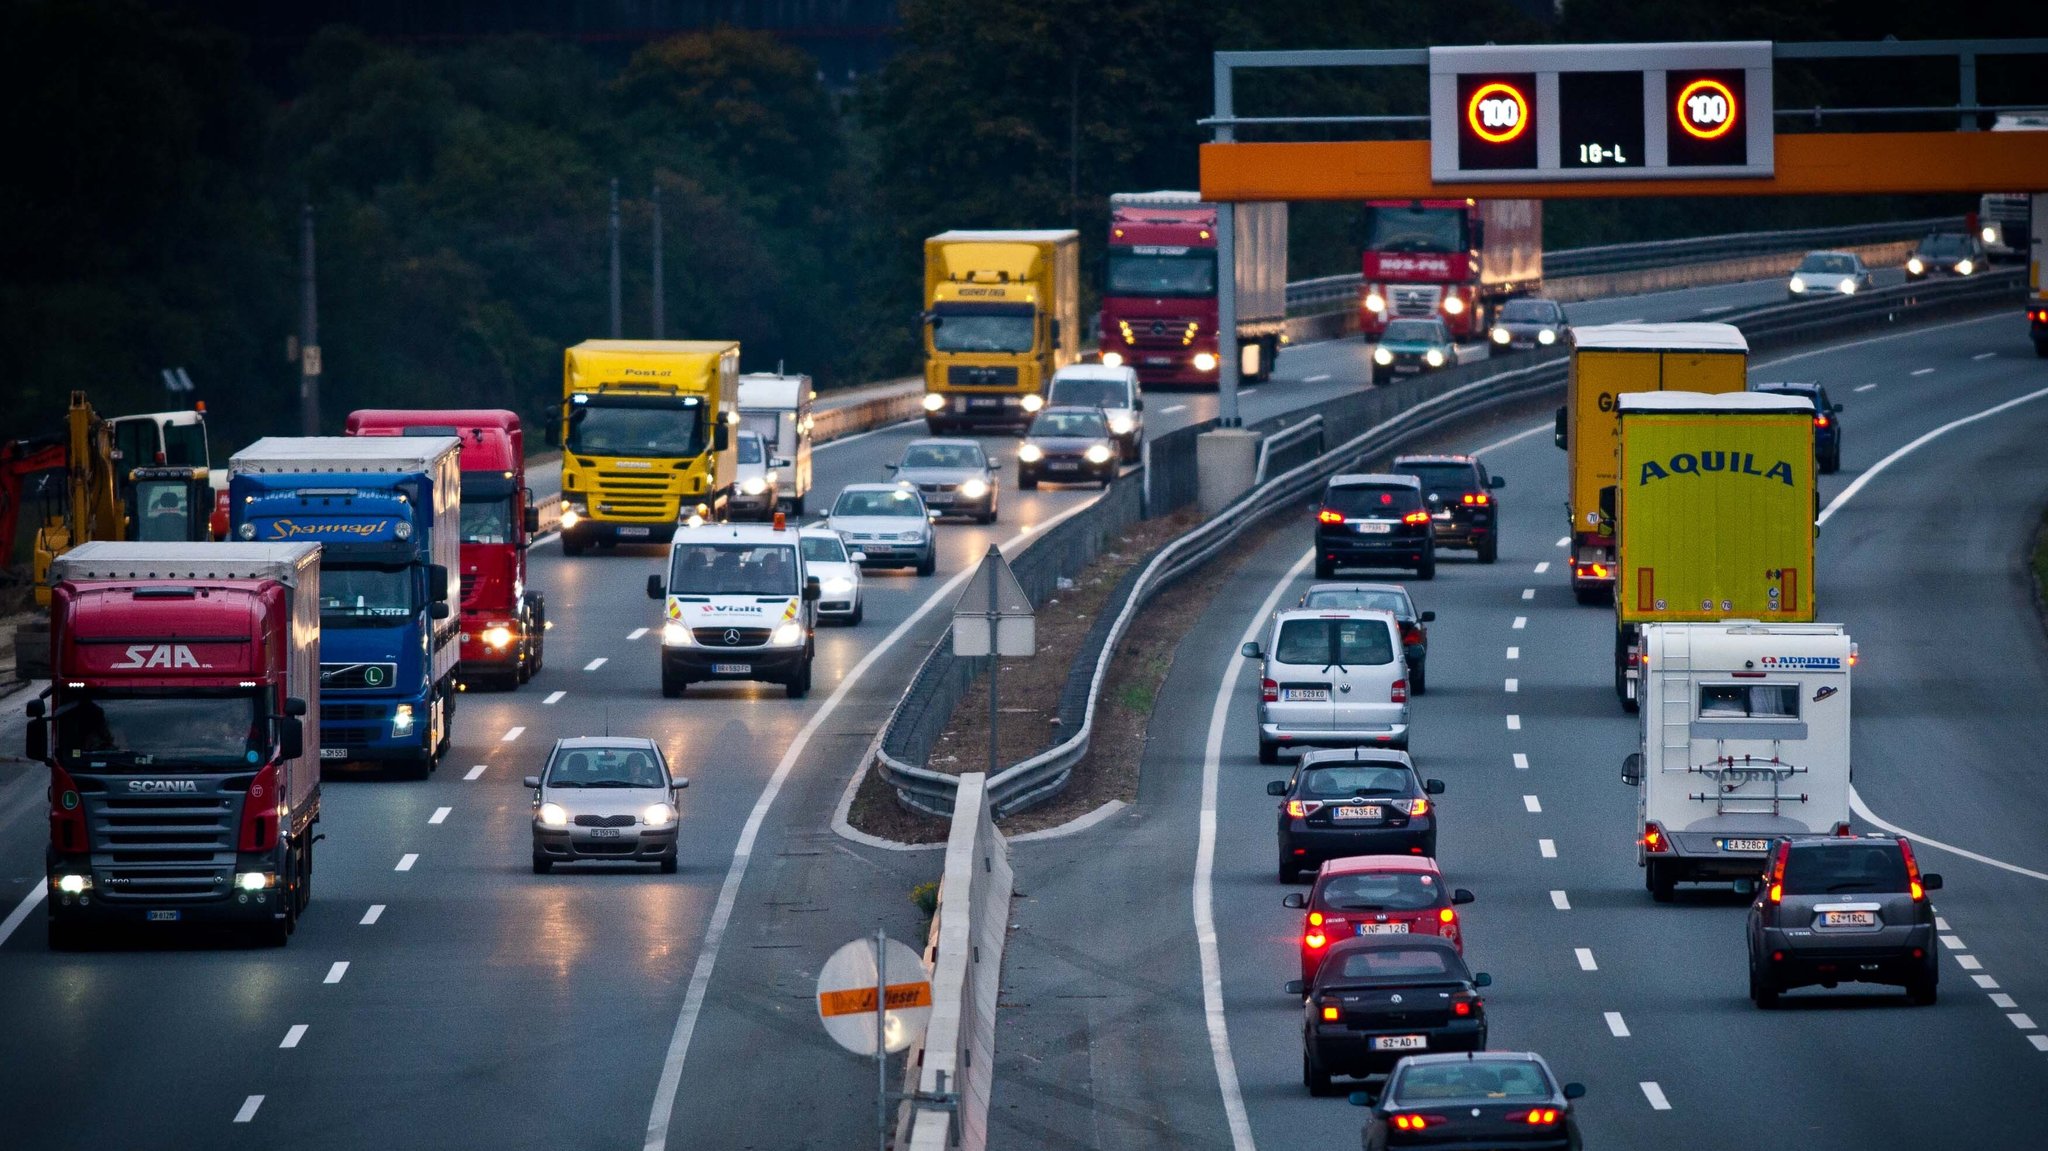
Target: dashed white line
1532, 805
1514, 723
1543, 567
636, 633
1923, 371
1865, 387
1940, 924
1514, 653
1528, 593
1173, 409
440, 813
1716, 309
335, 972
406, 861
1315, 379
513, 734
292, 1037
249, 1107
2021, 1020
1616, 1026
1953, 943
1521, 761
1585, 955
1655, 1095
1969, 963
1565, 542
375, 912
1547, 848
1558, 900
1521, 621
555, 697
476, 772
593, 665
2001, 999
1513, 685
1246, 391
1985, 981
1983, 355
2040, 1042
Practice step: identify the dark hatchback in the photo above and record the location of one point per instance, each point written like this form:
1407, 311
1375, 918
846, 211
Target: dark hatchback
1490, 1099
1368, 521
1827, 420
1379, 998
1839, 910
1353, 801
1067, 446
1461, 502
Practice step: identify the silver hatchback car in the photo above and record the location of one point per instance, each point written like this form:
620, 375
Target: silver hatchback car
1331, 679
605, 797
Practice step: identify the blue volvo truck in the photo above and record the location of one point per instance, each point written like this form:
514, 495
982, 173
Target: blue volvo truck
387, 514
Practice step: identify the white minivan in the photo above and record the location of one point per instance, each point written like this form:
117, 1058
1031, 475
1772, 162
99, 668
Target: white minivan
1331, 679
1114, 390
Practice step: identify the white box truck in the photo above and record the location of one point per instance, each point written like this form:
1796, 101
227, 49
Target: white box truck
779, 408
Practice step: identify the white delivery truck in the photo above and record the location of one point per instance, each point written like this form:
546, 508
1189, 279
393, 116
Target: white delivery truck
779, 408
1745, 738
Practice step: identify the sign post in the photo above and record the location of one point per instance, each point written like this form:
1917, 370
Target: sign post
993, 617
875, 997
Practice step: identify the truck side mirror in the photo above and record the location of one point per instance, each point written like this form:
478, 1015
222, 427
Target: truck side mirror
1054, 336
721, 440
654, 588
293, 705
552, 433
811, 589
532, 522
1558, 435
1632, 769
36, 741
440, 610
291, 737
35, 709
437, 584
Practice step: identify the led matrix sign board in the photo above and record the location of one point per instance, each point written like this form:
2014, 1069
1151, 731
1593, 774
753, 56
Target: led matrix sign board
1601, 112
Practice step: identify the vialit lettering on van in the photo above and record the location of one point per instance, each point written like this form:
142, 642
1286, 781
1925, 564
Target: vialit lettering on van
1712, 463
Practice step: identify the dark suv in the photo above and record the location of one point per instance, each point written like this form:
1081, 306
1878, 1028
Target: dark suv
1461, 500
1374, 521
1827, 421
1842, 910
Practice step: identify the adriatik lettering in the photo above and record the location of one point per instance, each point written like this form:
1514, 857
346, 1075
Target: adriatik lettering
1728, 463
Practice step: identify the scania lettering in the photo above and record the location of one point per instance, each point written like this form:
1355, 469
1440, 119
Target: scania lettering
646, 438
1159, 300
386, 511
182, 788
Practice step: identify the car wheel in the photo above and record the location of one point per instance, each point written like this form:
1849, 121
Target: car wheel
1289, 873
1761, 992
1028, 483
1418, 677
1429, 845
671, 685
1427, 568
859, 609
1269, 752
542, 865
1489, 550
1833, 463
668, 865
799, 685
929, 564
1661, 880
1313, 1077
1923, 992
1325, 569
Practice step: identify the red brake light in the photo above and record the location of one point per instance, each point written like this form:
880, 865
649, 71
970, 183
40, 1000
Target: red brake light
1400, 692
67, 812
1912, 872
1477, 499
1446, 915
259, 812
1653, 839
1416, 518
1386, 498
1269, 691
1418, 806
1314, 940
1303, 808
1820, 421
1461, 1007
1415, 1122
1537, 1116
1329, 516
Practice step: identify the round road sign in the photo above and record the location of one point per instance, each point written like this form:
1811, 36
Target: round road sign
846, 996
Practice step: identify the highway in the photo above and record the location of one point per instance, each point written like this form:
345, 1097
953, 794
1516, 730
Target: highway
438, 994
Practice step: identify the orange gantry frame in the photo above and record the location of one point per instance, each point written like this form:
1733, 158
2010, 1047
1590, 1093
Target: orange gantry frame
1807, 164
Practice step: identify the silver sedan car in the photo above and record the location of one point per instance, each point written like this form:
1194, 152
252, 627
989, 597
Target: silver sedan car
955, 477
605, 797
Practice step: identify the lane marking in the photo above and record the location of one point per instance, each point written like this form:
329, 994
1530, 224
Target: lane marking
1521, 621
1924, 372
670, 1080
1521, 761
292, 1037
555, 697
1514, 653
1630, 320
513, 734
1543, 567
476, 772
1532, 805
1954, 943
1655, 1095
837, 441
1863, 811
1315, 379
593, 665
440, 813
1518, 437
636, 633
1877, 468
1247, 391
249, 1107
1717, 309
1831, 349
1565, 542
2001, 999
1616, 1026
1547, 848
406, 861
1940, 924
28, 903
335, 972
1173, 409
2040, 1042
1514, 686
1983, 355
1985, 981
375, 912
1969, 963
1864, 387
2021, 1020
1514, 723
1528, 593
1558, 901
1585, 955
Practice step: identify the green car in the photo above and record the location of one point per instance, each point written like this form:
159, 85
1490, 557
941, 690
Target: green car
1411, 347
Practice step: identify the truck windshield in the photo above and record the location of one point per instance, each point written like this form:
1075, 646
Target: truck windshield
185, 445
646, 427
732, 569
115, 729
486, 509
982, 331
1131, 274
1415, 230
366, 596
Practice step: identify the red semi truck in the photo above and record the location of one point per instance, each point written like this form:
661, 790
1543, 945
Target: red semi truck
504, 621
1454, 260
1159, 301
185, 676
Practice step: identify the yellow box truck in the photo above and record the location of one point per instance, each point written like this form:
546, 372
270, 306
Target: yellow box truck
1713, 516
646, 438
1610, 361
1002, 314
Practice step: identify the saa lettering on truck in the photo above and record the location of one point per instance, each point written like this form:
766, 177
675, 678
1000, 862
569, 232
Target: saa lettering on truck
153, 655
1729, 463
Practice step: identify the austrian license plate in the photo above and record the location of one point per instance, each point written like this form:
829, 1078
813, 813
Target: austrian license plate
1848, 918
1158, 361
984, 401
1444, 514
1745, 845
732, 669
164, 916
937, 498
1360, 811
1375, 527
333, 753
1400, 1042
637, 533
1062, 466
604, 833
1383, 929
1305, 695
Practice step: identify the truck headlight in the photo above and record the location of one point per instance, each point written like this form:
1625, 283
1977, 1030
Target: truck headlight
1990, 234
254, 880
1205, 362
1031, 453
1501, 336
552, 815
1797, 284
838, 585
1112, 359
1097, 454
571, 515
754, 485
788, 635
1121, 425
933, 402
1382, 356
1454, 305
403, 530
674, 635
658, 815
1963, 268
1546, 336
1033, 402
401, 719
1374, 302
497, 636
74, 884
1434, 358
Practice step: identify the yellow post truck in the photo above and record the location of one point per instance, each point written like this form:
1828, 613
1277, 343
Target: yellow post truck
1002, 314
1713, 518
1609, 361
646, 438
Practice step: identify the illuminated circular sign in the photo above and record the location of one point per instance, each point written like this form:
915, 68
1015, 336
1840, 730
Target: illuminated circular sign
1497, 112
1707, 110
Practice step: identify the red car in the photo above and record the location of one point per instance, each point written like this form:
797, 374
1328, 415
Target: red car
1375, 895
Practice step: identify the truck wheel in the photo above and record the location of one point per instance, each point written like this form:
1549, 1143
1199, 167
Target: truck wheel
1325, 569
1661, 879
540, 636
2041, 348
571, 546
65, 936
671, 685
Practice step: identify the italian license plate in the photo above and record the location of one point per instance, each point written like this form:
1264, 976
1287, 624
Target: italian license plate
732, 669
1375, 527
333, 753
1400, 1042
637, 533
984, 401
1848, 918
1305, 695
1745, 845
604, 833
1383, 929
1360, 811
164, 916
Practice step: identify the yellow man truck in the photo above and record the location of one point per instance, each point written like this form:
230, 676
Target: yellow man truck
1713, 517
1610, 361
646, 438
1002, 314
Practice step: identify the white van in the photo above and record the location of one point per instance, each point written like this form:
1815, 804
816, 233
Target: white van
779, 408
1114, 390
1331, 679
1745, 738
737, 602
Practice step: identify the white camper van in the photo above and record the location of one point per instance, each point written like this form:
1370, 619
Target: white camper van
779, 408
1745, 738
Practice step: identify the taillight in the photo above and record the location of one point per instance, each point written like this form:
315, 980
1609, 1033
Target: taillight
1415, 1122
1329, 516
259, 812
1536, 1116
1820, 421
1331, 1014
1269, 691
1912, 872
1303, 808
1843, 831
67, 812
1653, 839
1417, 806
1421, 517
1399, 693
1461, 1007
1410, 633
1777, 894
1477, 499
1446, 915
1314, 940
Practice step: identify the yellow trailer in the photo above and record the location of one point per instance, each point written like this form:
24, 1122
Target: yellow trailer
1002, 314
1610, 361
1713, 515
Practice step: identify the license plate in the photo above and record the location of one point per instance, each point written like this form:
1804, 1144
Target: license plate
1305, 695
984, 401
1745, 845
604, 833
1159, 361
1400, 1042
636, 532
1383, 929
732, 669
1364, 811
164, 916
1848, 918
1062, 466
333, 753
1444, 515
1375, 528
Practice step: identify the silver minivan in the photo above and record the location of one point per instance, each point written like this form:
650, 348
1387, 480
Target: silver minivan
1331, 679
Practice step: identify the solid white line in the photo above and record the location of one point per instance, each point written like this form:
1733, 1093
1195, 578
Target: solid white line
833, 443
372, 915
1521, 621
1615, 1025
28, 903
1246, 391
440, 813
555, 697
636, 633
249, 1107
2040, 1042
2021, 1020
1514, 723
1521, 761
1924, 372
1532, 805
1655, 1095
1514, 685
743, 853
1585, 955
1516, 438
1983, 355
406, 861
1954, 943
335, 972
1315, 379
1528, 593
593, 665
513, 734
1830, 349
476, 772
1875, 469
1558, 900
1547, 848
1857, 805
1717, 309
1543, 567
1864, 387
1985, 981
1969, 963
1173, 409
2002, 1000
292, 1037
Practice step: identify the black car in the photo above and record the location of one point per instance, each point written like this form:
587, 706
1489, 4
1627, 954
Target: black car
1379, 998
1374, 521
1067, 445
1947, 254
1461, 502
1484, 1099
1827, 420
1353, 801
1835, 910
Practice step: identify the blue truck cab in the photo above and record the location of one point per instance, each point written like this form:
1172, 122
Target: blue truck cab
386, 512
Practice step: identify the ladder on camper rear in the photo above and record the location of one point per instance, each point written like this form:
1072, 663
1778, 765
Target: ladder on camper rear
1674, 700
1731, 772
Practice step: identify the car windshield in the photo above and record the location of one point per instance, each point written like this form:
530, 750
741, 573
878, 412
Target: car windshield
1072, 424
647, 428
1452, 479
1414, 332
1368, 500
1415, 230
1402, 964
824, 550
110, 729
1353, 599
1131, 274
893, 502
943, 456
1829, 263
1948, 245
733, 569
1088, 393
1839, 868
377, 596
750, 448
981, 332
1345, 781
1530, 312
605, 767
1323, 642
1475, 1080
1381, 891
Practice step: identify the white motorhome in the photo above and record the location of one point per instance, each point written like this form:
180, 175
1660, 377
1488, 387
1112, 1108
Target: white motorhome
779, 408
1745, 738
